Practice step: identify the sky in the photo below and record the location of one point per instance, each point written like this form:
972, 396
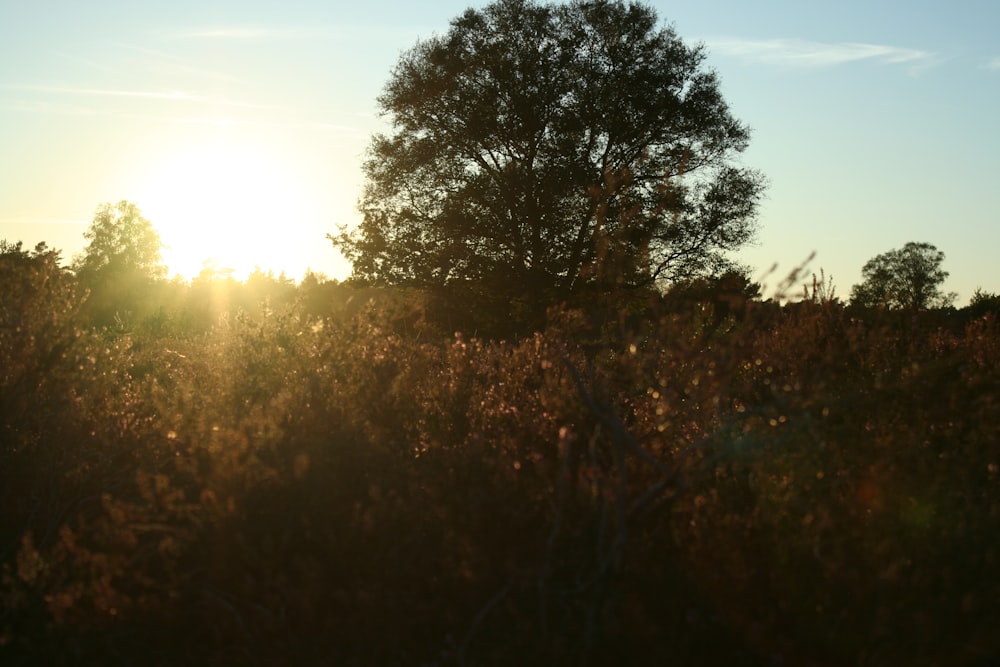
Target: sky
239, 127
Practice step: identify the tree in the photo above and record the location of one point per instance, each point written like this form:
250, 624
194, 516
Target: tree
121, 242
551, 147
909, 278
119, 264
983, 302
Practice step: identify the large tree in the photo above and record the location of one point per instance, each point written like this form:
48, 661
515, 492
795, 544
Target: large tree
550, 147
907, 278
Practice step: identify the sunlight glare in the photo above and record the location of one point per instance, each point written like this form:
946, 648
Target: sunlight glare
229, 203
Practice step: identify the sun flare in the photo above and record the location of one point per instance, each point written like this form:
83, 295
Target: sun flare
227, 203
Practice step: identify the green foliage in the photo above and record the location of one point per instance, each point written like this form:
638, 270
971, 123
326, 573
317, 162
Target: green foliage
118, 265
121, 242
909, 279
538, 149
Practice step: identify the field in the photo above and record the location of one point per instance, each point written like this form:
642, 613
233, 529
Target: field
320, 474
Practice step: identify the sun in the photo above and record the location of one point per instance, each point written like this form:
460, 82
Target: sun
230, 203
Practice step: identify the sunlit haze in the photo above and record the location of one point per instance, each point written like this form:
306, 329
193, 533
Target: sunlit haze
239, 128
230, 201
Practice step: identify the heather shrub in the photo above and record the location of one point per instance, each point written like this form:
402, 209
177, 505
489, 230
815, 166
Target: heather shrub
851, 519
693, 480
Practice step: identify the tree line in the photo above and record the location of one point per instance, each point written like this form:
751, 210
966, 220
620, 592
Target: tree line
538, 154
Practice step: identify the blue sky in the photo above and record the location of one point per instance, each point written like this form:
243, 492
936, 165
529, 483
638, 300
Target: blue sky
239, 127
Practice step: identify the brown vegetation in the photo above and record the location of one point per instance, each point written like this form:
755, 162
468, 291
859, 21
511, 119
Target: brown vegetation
314, 483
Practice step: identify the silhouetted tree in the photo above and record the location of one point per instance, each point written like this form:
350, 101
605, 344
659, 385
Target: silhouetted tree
983, 302
908, 278
548, 147
120, 260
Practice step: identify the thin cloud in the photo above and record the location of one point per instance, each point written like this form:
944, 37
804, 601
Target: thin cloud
173, 96
39, 220
290, 124
80, 101
805, 54
104, 92
339, 31
235, 33
172, 64
227, 33
994, 65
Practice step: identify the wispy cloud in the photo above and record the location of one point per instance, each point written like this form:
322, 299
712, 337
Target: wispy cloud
39, 220
155, 95
288, 124
994, 64
178, 107
805, 54
170, 64
318, 31
226, 33
103, 92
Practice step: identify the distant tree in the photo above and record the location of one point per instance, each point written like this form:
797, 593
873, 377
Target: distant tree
909, 278
726, 295
265, 291
983, 302
551, 147
121, 242
119, 263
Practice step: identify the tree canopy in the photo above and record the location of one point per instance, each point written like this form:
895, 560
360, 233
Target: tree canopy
907, 278
551, 147
119, 264
121, 242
